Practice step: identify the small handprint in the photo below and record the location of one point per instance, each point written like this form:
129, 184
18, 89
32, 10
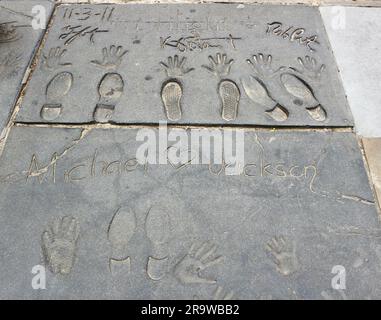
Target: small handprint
310, 68
175, 67
112, 57
262, 66
53, 59
220, 66
188, 269
59, 244
10, 65
8, 32
284, 255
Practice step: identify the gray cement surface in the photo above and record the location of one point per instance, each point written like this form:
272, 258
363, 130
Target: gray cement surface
245, 65
76, 201
18, 42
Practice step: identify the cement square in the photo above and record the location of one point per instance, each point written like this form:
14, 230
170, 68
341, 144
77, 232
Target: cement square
77, 202
235, 64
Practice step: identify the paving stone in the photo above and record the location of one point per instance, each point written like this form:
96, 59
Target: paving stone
124, 64
18, 41
355, 31
280, 226
372, 148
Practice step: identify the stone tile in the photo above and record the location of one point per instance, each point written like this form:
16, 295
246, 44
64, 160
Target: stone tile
372, 147
18, 41
356, 43
93, 82
305, 211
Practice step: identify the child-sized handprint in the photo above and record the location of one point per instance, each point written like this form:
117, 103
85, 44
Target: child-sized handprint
188, 269
8, 32
53, 59
298, 84
310, 68
219, 66
262, 66
112, 57
284, 254
59, 244
10, 64
175, 67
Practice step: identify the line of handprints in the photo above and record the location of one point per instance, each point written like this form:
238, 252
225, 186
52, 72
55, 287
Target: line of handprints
10, 64
195, 42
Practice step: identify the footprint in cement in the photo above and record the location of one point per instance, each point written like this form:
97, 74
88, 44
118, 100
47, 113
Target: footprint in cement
227, 89
158, 230
120, 231
303, 96
171, 94
258, 93
172, 90
110, 89
56, 89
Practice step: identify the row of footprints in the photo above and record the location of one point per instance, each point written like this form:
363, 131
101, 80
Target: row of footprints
171, 92
272, 89
110, 90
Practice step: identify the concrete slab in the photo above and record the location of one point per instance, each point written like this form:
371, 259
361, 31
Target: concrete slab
275, 231
18, 42
356, 42
189, 64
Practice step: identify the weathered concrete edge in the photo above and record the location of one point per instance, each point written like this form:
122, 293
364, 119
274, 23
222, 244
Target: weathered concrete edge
373, 166
28, 72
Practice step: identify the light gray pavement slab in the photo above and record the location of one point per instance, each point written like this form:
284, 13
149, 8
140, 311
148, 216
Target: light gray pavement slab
18, 42
279, 227
356, 42
103, 63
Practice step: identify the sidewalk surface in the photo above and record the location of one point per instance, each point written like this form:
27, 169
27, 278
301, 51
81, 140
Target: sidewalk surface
294, 89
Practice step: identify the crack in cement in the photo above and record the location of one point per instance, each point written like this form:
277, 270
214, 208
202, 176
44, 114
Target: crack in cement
57, 157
